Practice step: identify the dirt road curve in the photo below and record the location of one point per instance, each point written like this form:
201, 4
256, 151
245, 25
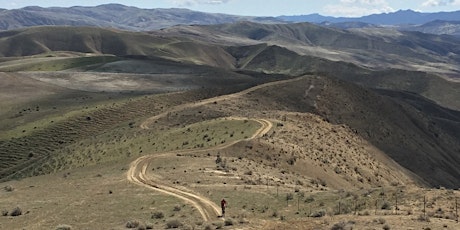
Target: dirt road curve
137, 172
149, 121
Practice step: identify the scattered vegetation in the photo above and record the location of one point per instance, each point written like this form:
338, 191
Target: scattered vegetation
132, 224
173, 224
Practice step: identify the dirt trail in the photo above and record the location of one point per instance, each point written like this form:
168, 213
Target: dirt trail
137, 172
148, 121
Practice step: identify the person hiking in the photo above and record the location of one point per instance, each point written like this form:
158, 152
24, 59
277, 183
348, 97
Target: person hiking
223, 205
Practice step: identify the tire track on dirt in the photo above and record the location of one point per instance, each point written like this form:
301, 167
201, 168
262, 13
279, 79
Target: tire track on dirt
137, 172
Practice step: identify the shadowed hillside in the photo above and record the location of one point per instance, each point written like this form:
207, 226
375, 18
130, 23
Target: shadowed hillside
43, 40
385, 106
375, 48
275, 59
420, 135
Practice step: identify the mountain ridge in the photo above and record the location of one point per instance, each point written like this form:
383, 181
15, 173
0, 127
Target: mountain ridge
394, 18
137, 19
115, 16
404, 20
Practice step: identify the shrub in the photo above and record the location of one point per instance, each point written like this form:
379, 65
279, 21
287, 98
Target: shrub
9, 188
208, 227
177, 208
423, 218
63, 227
132, 224
386, 227
148, 226
291, 160
218, 159
173, 224
339, 226
218, 225
228, 222
158, 215
309, 199
16, 212
317, 214
386, 206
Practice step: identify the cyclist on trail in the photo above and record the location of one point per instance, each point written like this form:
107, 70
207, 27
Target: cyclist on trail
223, 205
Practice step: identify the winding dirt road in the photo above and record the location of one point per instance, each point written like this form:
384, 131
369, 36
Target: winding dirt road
149, 121
137, 172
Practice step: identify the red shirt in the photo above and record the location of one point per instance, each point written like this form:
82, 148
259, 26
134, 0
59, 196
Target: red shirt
223, 203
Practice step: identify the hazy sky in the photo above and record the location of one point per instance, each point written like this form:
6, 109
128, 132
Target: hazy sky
263, 7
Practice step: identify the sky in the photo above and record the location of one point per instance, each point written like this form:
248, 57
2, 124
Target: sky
337, 8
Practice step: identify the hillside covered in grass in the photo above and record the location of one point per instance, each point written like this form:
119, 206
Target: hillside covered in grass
295, 124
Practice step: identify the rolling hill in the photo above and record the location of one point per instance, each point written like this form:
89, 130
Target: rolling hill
292, 123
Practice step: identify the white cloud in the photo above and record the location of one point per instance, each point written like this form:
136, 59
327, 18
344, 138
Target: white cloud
435, 3
197, 2
366, 2
356, 8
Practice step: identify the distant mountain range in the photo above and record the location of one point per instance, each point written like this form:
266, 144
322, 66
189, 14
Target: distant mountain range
435, 23
136, 19
115, 16
402, 17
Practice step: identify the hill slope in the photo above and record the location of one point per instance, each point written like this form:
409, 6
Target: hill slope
387, 107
